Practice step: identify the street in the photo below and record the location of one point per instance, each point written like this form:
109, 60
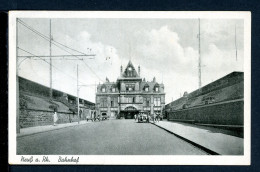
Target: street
111, 137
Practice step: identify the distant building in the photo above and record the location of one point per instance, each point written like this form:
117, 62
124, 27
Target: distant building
129, 95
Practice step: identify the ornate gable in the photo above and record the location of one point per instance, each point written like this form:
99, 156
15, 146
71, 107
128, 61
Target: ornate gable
130, 71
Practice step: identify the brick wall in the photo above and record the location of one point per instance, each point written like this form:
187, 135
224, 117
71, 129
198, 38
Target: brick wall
226, 113
32, 117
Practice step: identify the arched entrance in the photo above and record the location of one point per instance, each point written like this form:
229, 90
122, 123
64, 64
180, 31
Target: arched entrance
129, 112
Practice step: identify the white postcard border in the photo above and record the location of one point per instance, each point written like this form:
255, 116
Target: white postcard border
133, 159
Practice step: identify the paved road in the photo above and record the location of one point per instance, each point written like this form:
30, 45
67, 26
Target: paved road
114, 137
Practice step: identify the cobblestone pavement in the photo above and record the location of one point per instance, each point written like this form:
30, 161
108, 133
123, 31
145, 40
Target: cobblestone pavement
113, 137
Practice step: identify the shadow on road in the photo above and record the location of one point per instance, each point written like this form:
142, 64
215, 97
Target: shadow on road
235, 133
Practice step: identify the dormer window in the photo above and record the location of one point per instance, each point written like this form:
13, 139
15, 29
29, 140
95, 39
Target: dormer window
146, 87
156, 87
103, 89
113, 89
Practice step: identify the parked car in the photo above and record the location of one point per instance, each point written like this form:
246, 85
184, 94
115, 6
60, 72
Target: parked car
143, 117
104, 116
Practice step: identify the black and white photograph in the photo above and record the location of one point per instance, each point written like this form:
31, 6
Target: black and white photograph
129, 88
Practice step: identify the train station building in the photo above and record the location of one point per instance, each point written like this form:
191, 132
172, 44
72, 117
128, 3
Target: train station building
129, 95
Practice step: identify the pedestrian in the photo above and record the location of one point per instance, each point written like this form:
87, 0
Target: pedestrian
154, 117
55, 118
135, 117
158, 117
147, 120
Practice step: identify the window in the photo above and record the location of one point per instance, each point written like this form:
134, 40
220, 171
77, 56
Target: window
130, 99
157, 101
129, 71
146, 101
103, 90
146, 89
156, 89
114, 102
113, 89
103, 102
130, 87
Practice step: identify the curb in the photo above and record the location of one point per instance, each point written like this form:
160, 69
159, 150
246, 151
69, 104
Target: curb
189, 141
19, 136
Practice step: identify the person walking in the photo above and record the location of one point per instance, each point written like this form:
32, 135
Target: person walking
135, 117
158, 117
154, 118
55, 118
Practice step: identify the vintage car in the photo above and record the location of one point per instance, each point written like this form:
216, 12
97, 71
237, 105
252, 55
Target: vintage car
143, 117
104, 116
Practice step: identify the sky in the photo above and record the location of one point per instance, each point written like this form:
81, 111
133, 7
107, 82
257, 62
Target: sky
166, 49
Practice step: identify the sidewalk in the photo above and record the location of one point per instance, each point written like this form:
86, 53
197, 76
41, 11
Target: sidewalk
45, 128
212, 140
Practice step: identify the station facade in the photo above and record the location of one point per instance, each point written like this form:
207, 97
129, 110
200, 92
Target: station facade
129, 95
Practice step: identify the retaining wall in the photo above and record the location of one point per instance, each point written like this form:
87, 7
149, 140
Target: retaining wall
33, 117
225, 113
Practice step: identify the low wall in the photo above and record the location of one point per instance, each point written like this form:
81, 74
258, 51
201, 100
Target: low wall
225, 113
33, 117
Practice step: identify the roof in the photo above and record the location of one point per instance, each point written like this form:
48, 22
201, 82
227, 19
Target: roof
134, 75
32, 83
40, 103
150, 84
230, 90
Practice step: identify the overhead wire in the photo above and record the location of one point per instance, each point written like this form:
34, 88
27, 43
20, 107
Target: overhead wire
49, 64
40, 34
53, 42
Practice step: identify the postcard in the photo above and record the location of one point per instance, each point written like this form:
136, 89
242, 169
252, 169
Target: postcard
129, 88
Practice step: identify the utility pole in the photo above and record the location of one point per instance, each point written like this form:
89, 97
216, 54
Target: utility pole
43, 57
17, 84
50, 65
78, 90
95, 88
236, 40
199, 59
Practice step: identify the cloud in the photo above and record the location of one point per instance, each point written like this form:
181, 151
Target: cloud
163, 55
167, 52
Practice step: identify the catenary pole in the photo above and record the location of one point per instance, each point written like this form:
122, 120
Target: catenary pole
50, 65
17, 84
199, 59
236, 40
78, 91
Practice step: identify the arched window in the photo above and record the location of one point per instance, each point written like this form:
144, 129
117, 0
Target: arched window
130, 71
